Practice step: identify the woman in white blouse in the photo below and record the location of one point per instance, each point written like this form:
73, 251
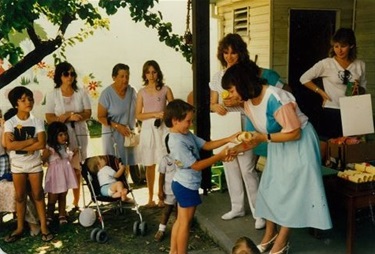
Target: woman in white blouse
70, 104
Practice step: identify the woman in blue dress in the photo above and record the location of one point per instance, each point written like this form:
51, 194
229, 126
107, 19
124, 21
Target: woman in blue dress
291, 192
116, 113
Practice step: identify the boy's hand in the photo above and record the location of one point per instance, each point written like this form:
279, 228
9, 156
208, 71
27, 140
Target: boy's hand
226, 155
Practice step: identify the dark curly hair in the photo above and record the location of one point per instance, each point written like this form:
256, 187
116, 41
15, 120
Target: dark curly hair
53, 131
246, 80
238, 46
59, 70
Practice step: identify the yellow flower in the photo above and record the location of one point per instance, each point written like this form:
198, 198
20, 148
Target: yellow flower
86, 79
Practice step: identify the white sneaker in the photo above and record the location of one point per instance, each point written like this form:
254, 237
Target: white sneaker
260, 223
2, 252
231, 215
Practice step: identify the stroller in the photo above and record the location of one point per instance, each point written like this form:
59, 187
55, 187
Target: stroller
99, 234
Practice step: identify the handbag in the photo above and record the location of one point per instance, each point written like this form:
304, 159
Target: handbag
133, 139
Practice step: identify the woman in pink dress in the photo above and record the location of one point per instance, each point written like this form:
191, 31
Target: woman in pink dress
151, 102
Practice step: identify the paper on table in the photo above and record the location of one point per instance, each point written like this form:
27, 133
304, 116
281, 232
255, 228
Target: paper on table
224, 126
356, 115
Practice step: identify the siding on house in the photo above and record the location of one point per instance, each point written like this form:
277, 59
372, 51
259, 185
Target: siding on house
364, 25
258, 36
280, 25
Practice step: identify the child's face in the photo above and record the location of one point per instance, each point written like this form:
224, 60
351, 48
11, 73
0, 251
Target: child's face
25, 103
62, 138
101, 162
183, 125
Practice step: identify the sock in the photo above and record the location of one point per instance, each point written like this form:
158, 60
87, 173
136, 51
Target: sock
162, 227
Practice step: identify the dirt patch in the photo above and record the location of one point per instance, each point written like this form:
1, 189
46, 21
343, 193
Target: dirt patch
74, 238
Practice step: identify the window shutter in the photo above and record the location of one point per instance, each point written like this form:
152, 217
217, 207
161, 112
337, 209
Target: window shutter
241, 21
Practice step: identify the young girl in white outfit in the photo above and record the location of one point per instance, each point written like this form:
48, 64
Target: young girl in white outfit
60, 176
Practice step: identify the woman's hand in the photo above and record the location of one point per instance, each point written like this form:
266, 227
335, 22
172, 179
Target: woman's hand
159, 115
324, 96
232, 102
255, 139
74, 117
220, 109
124, 130
355, 90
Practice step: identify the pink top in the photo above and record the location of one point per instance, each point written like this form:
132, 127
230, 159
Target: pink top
154, 102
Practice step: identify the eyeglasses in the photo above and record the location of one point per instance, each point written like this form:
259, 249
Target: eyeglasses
69, 73
347, 76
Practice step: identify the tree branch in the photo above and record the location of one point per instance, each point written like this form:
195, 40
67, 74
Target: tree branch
33, 36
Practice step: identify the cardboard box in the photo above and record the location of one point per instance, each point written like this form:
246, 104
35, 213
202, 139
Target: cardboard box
361, 152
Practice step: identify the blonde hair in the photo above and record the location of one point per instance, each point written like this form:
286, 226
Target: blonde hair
93, 163
250, 247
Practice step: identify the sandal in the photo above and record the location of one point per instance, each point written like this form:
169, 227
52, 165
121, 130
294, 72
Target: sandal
47, 237
11, 238
74, 210
63, 220
150, 205
159, 236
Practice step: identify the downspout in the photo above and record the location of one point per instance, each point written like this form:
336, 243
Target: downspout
354, 20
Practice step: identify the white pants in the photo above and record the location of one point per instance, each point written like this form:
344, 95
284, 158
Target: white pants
241, 173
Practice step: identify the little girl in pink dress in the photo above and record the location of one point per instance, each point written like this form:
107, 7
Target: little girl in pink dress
60, 176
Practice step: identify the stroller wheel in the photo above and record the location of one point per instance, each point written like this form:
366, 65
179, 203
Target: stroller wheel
101, 236
136, 228
94, 233
143, 228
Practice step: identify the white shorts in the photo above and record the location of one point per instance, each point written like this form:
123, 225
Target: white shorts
26, 167
170, 199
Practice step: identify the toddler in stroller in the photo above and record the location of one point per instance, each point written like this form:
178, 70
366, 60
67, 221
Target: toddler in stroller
114, 188
108, 178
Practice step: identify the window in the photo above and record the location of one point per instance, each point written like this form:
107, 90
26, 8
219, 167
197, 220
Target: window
241, 21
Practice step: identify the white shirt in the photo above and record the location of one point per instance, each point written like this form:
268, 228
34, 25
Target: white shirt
332, 75
106, 175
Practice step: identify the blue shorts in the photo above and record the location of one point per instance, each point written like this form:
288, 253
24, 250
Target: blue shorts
106, 191
185, 197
